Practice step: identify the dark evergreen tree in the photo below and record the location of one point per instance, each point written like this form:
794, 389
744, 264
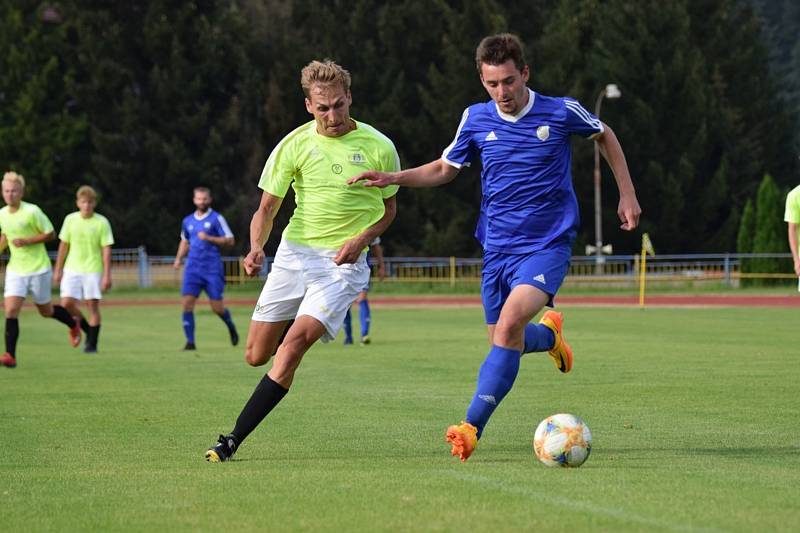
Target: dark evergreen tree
43, 135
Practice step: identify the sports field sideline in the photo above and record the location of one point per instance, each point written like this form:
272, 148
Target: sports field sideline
694, 415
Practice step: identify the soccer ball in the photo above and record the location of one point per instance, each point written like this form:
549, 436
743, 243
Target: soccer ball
562, 440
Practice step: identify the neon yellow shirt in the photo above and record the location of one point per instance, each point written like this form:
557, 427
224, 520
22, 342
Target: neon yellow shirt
86, 238
28, 221
328, 211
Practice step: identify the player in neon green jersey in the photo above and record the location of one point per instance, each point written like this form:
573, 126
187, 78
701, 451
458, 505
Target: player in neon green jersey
83, 265
792, 217
320, 265
25, 229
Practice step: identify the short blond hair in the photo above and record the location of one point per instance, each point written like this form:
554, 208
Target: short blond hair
325, 72
85, 191
13, 177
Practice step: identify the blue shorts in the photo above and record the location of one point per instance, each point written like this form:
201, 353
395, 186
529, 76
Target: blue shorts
211, 282
545, 270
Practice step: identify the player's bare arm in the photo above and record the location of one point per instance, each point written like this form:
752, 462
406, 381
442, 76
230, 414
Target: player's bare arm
351, 250
36, 239
106, 281
628, 209
793, 246
183, 249
58, 269
3, 242
260, 228
222, 242
428, 175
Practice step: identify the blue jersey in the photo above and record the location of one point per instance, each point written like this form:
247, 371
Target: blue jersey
528, 203
204, 255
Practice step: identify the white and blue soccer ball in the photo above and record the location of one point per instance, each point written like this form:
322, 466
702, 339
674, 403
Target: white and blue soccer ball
562, 440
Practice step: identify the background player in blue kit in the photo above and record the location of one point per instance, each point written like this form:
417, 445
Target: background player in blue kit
528, 217
203, 233
364, 314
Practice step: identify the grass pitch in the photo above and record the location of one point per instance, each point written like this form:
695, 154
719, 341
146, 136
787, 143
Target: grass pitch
694, 415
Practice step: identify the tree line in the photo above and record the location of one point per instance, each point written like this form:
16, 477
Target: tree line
145, 100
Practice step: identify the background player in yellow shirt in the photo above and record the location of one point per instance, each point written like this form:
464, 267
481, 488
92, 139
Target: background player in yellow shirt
83, 265
320, 265
25, 229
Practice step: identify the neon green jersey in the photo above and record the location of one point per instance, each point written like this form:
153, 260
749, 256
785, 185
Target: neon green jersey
28, 221
328, 211
793, 206
86, 238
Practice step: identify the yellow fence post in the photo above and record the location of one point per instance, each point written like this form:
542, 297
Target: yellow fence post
647, 248
452, 271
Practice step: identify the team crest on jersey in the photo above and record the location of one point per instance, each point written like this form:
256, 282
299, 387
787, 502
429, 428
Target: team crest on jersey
336, 168
191, 227
543, 132
357, 158
207, 225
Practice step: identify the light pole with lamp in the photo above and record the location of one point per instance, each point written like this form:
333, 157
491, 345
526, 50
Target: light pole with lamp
610, 91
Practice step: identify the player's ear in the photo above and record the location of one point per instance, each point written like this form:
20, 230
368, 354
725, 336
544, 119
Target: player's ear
526, 73
308, 106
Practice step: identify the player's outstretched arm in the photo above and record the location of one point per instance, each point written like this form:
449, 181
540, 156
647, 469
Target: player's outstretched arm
260, 228
428, 175
628, 209
351, 250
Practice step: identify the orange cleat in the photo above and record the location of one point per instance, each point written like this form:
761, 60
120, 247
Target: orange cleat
561, 353
75, 333
7, 360
464, 439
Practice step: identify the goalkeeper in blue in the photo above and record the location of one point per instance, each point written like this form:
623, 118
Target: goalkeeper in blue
528, 217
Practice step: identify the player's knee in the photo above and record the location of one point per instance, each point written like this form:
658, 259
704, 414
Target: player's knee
507, 333
255, 358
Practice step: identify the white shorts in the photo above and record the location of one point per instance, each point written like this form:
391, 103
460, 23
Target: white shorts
81, 286
305, 281
37, 284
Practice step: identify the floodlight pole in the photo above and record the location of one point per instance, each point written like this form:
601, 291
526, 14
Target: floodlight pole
609, 91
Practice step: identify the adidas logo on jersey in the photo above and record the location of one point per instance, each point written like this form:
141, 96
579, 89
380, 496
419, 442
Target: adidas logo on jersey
488, 398
491, 136
539, 278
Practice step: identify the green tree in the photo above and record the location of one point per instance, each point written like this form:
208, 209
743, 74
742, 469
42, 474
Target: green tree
770, 230
42, 133
744, 238
170, 93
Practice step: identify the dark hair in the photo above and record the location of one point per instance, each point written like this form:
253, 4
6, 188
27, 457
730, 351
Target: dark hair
497, 49
203, 189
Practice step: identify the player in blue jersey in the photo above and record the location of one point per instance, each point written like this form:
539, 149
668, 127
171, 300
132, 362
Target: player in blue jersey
203, 233
528, 217
364, 313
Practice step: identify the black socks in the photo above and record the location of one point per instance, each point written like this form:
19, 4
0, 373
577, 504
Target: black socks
12, 334
266, 396
61, 314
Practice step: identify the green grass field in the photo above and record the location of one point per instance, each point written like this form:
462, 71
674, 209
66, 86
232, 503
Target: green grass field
694, 415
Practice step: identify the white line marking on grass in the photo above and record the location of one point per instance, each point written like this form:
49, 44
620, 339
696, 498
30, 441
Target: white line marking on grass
549, 499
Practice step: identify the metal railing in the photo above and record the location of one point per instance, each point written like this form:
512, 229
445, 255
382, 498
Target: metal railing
135, 267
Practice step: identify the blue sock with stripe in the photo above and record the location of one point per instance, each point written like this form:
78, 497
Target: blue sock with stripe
495, 378
364, 316
188, 326
538, 338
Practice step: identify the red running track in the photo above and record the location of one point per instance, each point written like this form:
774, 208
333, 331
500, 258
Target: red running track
660, 300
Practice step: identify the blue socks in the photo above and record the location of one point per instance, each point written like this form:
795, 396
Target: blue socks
538, 338
348, 327
364, 317
188, 326
495, 378
226, 317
